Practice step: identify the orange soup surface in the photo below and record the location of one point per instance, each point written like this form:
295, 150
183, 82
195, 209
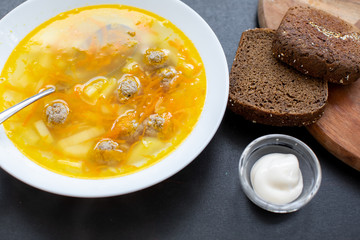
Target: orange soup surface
130, 87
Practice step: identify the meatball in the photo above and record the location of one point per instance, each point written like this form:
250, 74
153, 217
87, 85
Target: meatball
168, 75
136, 130
106, 145
127, 128
131, 131
155, 58
56, 113
107, 152
128, 87
153, 125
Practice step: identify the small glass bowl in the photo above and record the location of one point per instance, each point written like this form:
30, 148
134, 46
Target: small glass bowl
279, 143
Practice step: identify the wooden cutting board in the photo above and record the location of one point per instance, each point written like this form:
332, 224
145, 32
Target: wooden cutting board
339, 129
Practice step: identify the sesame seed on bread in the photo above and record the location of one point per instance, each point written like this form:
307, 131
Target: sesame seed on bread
319, 44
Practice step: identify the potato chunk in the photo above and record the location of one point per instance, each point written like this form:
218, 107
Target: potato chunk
81, 137
145, 150
97, 88
79, 150
74, 167
30, 137
43, 131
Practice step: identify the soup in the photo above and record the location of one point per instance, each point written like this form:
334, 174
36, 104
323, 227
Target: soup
130, 87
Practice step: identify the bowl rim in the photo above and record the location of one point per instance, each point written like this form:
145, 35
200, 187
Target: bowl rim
22, 168
285, 208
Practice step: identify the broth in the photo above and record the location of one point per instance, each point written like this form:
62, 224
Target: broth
130, 87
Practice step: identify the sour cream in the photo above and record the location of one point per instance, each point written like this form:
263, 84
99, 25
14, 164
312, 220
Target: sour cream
277, 178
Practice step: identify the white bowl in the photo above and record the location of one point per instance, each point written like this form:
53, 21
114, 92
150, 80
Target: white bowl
22, 20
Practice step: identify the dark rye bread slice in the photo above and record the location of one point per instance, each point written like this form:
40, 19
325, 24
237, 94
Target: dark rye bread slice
267, 91
319, 44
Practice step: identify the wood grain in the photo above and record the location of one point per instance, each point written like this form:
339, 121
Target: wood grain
270, 12
339, 129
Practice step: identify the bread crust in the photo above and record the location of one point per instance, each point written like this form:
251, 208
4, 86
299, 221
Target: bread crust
319, 44
267, 91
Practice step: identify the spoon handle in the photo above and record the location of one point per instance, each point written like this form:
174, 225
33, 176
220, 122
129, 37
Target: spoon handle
4, 115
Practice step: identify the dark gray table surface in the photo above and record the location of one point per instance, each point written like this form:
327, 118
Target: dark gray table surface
204, 200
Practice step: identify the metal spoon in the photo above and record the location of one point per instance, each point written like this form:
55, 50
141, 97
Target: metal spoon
4, 115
